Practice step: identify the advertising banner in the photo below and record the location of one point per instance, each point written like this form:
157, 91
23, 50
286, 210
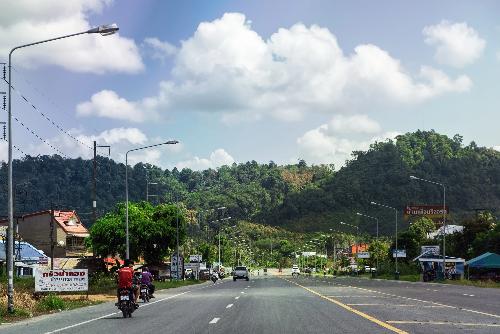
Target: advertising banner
363, 255
61, 280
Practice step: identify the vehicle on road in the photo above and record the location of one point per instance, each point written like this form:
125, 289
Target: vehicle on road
214, 277
295, 270
241, 272
145, 293
126, 302
204, 275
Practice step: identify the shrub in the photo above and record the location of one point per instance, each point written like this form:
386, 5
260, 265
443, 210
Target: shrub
51, 302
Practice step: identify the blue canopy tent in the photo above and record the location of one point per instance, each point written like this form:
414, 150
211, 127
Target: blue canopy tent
486, 266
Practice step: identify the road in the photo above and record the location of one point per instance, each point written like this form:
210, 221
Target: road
282, 304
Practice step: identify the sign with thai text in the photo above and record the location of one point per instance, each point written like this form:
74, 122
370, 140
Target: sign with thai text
61, 280
429, 211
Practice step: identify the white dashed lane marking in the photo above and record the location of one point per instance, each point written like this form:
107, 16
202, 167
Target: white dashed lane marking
237, 297
229, 306
214, 320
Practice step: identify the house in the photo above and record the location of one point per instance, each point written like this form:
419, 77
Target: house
64, 229
27, 258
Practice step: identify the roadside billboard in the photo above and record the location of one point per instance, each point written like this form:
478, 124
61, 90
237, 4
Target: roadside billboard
177, 267
195, 258
431, 249
429, 211
363, 255
61, 280
399, 253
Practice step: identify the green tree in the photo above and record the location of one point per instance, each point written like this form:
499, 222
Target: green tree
152, 231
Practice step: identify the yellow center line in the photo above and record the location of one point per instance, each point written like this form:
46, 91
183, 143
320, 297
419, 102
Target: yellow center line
362, 314
442, 323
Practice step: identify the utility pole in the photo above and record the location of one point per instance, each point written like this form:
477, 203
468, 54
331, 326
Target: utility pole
51, 237
94, 180
94, 186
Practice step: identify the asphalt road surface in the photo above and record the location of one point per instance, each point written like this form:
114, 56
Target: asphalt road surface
282, 304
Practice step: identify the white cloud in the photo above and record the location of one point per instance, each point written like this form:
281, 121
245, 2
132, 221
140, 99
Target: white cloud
159, 49
108, 104
24, 21
120, 139
229, 68
353, 124
322, 145
216, 159
457, 44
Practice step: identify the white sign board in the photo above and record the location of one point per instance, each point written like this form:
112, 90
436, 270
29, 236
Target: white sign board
400, 253
195, 258
363, 255
430, 249
308, 253
61, 280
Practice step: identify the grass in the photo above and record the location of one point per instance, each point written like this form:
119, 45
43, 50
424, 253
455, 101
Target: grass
174, 284
408, 278
478, 283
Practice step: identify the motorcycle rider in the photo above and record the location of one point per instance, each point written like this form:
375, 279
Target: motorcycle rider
147, 279
125, 281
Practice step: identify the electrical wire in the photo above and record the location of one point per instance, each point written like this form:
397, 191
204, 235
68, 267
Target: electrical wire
57, 126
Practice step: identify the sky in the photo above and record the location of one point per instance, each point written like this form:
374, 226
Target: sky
235, 81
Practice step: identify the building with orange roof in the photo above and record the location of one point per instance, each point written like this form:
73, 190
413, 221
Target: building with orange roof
63, 228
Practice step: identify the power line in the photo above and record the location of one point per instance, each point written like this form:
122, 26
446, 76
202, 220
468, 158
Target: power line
57, 126
40, 138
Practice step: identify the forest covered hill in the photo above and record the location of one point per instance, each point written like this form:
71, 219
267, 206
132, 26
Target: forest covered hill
297, 197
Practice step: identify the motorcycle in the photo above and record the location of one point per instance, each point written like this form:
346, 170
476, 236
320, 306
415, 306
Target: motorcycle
214, 277
126, 303
145, 295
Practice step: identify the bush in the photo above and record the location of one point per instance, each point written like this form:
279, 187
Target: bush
51, 302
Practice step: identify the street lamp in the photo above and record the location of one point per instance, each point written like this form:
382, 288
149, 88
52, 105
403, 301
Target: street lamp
357, 233
444, 216
104, 30
376, 219
396, 274
222, 221
170, 142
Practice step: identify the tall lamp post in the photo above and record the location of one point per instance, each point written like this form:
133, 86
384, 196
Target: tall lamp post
104, 30
444, 217
396, 274
357, 233
127, 244
374, 218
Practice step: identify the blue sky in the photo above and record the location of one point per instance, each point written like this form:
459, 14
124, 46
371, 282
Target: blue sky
251, 80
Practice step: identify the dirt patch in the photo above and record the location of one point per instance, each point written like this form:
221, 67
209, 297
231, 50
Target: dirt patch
93, 298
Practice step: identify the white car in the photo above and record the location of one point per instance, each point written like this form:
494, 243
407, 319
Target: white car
295, 270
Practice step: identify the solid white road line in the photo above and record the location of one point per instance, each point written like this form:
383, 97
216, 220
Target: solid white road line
214, 320
442, 323
229, 306
109, 315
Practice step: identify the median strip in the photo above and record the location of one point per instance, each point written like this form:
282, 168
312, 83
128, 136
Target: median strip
362, 314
